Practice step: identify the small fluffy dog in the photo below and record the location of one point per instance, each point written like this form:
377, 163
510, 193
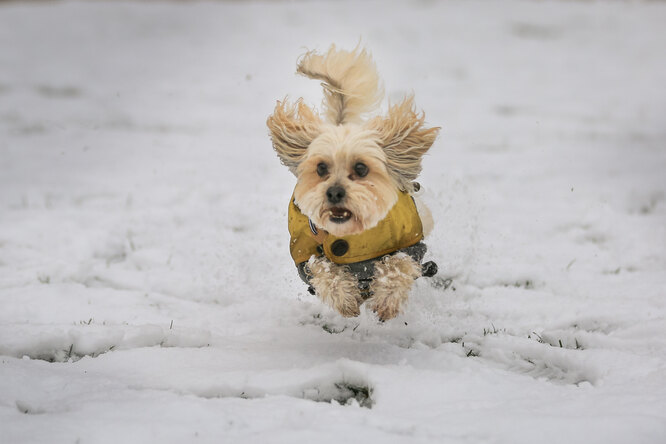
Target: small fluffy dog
356, 231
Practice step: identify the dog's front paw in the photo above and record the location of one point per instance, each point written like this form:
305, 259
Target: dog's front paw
347, 306
335, 286
393, 279
342, 295
388, 306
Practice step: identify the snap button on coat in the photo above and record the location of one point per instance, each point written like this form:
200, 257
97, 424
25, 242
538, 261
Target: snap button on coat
339, 247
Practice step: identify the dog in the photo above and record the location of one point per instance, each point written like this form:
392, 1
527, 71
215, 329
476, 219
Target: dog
356, 229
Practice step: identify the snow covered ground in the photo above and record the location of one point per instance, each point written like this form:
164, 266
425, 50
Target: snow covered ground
146, 289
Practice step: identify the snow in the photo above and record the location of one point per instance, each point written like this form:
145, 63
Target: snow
146, 289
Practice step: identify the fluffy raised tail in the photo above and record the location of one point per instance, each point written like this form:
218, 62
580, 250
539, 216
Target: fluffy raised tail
350, 81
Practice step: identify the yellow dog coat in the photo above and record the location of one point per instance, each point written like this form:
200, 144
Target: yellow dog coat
401, 228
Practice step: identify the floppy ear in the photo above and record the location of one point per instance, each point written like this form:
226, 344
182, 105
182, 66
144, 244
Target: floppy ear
404, 140
292, 129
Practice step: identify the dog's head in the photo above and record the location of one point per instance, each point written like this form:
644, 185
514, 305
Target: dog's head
349, 171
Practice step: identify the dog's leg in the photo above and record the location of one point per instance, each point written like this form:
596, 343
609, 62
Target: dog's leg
335, 286
394, 277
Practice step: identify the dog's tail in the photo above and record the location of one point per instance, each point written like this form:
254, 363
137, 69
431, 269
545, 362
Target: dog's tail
350, 80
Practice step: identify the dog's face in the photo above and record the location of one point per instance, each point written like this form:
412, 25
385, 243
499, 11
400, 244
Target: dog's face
343, 183
349, 176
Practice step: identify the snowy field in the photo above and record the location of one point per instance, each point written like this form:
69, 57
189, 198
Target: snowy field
146, 289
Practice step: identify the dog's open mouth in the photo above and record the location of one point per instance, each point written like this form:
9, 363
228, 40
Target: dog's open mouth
339, 215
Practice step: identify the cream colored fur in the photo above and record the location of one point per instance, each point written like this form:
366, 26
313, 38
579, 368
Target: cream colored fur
391, 147
368, 198
394, 277
293, 128
404, 140
350, 81
393, 280
335, 286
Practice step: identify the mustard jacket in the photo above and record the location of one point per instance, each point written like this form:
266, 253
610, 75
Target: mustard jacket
401, 228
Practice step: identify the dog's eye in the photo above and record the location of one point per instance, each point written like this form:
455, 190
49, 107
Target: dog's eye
361, 169
322, 169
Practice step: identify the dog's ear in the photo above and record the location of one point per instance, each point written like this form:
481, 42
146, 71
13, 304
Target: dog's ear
404, 140
292, 129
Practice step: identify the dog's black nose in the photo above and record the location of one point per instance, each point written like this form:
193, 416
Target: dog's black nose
335, 194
